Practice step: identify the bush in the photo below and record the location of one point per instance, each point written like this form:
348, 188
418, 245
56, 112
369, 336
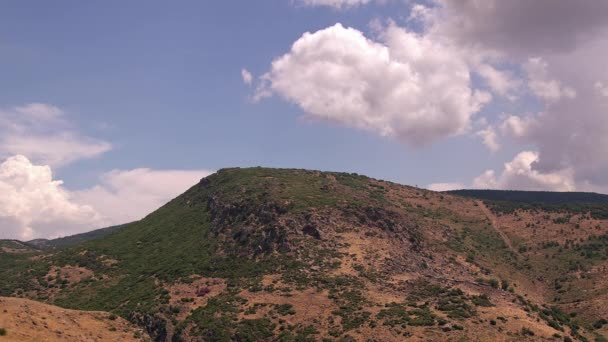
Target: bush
481, 300
112, 317
600, 323
2, 332
285, 309
527, 332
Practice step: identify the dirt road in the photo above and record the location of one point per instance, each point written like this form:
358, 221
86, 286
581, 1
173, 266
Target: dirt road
494, 220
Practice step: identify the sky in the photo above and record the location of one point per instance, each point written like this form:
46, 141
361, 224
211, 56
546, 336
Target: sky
110, 109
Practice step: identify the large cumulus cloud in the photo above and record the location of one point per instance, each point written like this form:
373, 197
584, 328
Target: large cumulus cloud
518, 174
33, 204
405, 86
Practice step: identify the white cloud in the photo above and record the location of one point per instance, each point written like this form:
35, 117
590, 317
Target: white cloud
127, 195
489, 138
57, 150
517, 127
542, 86
445, 186
500, 81
601, 88
246, 76
414, 89
40, 112
339, 4
519, 174
43, 133
34, 205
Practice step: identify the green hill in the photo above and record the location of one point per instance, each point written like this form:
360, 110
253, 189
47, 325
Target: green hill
294, 255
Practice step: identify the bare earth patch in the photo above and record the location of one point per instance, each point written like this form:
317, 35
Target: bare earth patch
26, 320
189, 296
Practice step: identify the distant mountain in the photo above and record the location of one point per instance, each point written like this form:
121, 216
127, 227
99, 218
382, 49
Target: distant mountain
73, 239
263, 254
534, 196
509, 201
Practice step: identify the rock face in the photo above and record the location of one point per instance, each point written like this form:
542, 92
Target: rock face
295, 255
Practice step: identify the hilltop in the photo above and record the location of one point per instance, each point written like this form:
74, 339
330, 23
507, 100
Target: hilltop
295, 255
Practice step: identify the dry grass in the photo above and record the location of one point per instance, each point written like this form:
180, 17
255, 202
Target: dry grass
26, 320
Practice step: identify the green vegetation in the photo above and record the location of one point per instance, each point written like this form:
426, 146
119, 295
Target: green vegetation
2, 332
285, 309
253, 330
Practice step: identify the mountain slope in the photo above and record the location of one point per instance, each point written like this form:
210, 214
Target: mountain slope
73, 239
295, 255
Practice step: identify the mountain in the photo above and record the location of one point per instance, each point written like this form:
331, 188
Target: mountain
73, 239
262, 254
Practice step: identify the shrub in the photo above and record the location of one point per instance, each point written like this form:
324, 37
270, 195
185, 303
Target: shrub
600, 323
527, 332
482, 300
285, 309
2, 332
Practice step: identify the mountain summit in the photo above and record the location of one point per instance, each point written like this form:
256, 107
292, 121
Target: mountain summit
263, 254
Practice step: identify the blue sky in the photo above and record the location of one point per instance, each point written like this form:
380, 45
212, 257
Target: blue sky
161, 83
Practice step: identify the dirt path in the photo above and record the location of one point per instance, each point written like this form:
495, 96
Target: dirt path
494, 220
